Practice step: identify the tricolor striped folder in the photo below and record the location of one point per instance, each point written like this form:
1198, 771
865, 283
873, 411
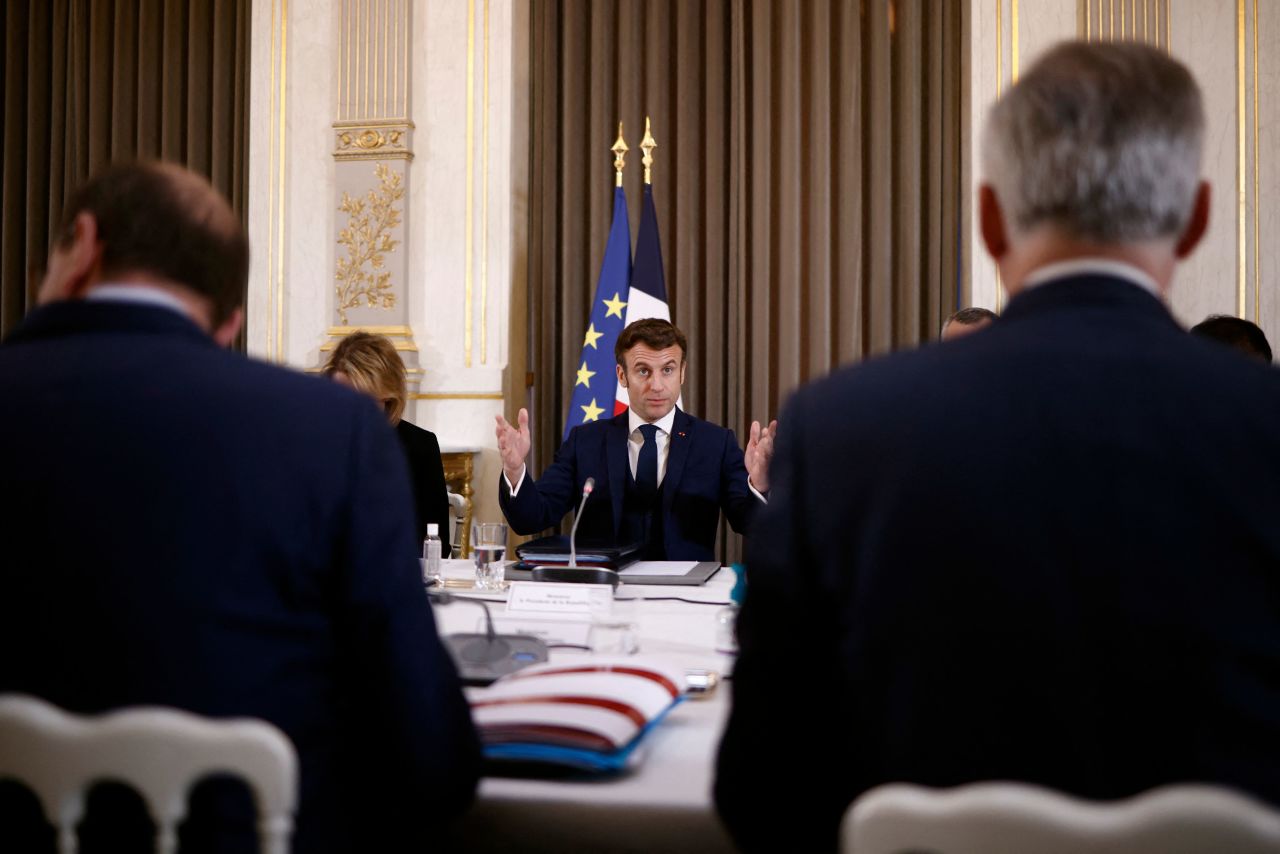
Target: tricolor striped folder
590, 715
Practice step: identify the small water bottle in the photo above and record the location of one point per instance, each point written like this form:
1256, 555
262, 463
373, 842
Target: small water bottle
431, 572
727, 617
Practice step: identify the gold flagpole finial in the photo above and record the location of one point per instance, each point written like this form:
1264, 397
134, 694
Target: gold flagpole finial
619, 154
647, 145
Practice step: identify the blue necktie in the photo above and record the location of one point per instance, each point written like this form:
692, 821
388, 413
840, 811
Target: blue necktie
647, 465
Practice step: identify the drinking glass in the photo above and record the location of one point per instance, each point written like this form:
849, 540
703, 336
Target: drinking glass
489, 544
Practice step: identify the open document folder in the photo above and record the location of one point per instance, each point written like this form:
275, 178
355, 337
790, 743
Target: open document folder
591, 714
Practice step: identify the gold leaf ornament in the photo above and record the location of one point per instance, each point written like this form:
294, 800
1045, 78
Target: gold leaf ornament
366, 239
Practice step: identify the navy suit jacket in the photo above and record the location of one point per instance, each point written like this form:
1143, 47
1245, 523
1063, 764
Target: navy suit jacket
1048, 551
186, 527
705, 474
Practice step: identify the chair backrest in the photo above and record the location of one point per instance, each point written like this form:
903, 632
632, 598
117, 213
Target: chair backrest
1011, 817
459, 509
160, 752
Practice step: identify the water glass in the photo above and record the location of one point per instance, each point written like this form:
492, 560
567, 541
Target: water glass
489, 544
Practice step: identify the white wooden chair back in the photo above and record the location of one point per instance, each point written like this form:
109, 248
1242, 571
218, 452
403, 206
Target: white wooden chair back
993, 818
160, 752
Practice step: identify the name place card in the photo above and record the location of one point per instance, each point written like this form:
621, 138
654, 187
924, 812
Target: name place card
544, 597
549, 628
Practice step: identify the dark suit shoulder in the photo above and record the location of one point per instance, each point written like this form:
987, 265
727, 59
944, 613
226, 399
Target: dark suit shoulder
416, 437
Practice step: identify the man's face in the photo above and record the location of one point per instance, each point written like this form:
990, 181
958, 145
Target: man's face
652, 379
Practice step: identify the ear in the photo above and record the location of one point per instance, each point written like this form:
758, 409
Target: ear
991, 222
622, 376
226, 332
73, 267
683, 366
1198, 224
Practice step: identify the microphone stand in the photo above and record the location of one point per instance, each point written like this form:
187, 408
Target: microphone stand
587, 489
573, 572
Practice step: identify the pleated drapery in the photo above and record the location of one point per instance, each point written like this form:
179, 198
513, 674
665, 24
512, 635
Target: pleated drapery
87, 83
807, 182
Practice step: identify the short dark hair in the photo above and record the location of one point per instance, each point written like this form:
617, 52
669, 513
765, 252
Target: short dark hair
971, 315
653, 332
1235, 332
162, 219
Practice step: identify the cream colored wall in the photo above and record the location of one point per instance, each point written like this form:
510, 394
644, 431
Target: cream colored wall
461, 172
1238, 260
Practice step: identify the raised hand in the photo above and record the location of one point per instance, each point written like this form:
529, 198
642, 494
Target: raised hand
513, 445
758, 453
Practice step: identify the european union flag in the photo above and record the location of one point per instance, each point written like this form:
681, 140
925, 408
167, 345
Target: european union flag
596, 381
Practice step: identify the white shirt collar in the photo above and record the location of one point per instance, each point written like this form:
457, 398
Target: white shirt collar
665, 423
138, 295
1098, 266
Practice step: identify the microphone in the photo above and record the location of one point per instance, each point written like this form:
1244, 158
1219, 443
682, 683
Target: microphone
573, 572
587, 489
483, 658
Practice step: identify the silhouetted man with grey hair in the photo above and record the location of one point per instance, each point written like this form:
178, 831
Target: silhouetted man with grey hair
1110, 623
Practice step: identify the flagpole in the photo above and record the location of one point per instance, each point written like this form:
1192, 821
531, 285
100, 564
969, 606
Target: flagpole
647, 145
619, 155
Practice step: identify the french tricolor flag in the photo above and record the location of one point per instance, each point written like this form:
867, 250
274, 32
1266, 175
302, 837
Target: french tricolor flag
648, 284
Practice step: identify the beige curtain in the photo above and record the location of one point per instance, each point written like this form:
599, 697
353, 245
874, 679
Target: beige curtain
807, 184
89, 82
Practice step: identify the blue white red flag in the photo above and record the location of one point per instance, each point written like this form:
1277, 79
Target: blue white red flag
648, 284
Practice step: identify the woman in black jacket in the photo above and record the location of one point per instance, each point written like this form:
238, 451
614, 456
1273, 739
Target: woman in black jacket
370, 364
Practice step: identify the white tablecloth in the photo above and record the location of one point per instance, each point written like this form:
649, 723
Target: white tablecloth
664, 805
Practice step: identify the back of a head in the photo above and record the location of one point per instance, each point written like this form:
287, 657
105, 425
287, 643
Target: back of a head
967, 320
1235, 332
372, 365
1101, 141
165, 221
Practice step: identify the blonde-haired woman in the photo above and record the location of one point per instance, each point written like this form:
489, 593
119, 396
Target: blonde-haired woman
370, 364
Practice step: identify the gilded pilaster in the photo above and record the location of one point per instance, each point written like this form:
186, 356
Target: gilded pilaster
373, 150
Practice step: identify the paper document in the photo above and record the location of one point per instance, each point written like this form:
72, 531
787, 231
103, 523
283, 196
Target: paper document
658, 567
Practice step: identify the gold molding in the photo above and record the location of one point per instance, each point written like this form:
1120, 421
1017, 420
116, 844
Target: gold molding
276, 126
468, 239
457, 395
1257, 199
371, 220
401, 338
369, 141
999, 91
484, 197
1241, 174
459, 470
1013, 24
339, 331
375, 123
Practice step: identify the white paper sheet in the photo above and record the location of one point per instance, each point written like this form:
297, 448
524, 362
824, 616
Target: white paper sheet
658, 567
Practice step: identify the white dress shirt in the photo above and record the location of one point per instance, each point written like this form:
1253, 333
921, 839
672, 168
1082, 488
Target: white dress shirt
1095, 266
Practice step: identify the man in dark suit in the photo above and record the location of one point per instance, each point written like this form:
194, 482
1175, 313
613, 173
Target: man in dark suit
662, 476
186, 527
1047, 552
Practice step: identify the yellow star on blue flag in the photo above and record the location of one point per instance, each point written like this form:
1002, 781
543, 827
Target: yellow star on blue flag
608, 317
615, 305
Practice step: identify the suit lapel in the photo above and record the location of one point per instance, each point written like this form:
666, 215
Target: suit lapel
616, 454
677, 455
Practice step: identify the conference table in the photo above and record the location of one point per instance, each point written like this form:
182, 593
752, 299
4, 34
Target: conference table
664, 804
